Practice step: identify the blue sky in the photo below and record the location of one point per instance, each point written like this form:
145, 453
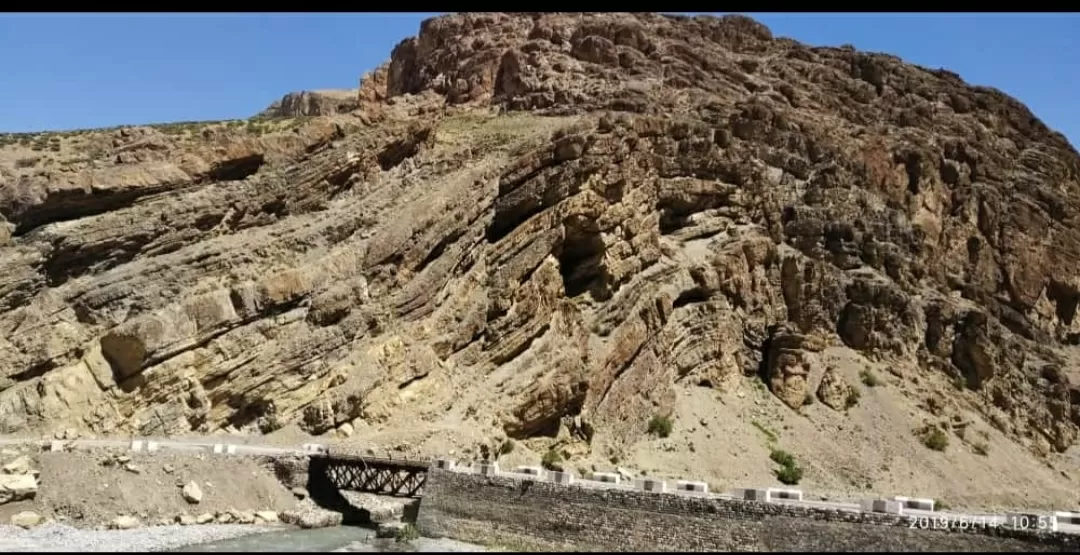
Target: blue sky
93, 70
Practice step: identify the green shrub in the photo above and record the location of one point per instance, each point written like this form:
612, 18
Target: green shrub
552, 460
869, 379
660, 426
781, 457
852, 398
507, 447
808, 400
406, 533
789, 475
789, 472
769, 434
935, 439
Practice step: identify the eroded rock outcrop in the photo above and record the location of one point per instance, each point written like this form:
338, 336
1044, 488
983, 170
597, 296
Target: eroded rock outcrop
546, 224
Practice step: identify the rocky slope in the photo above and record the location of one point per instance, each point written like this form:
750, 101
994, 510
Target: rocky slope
556, 227
312, 103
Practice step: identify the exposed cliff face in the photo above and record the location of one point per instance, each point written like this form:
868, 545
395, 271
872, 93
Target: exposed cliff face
662, 207
312, 103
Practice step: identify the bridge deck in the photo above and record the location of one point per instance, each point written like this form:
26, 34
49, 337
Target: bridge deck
381, 475
384, 462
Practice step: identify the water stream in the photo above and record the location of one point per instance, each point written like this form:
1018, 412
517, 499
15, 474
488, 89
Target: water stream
338, 538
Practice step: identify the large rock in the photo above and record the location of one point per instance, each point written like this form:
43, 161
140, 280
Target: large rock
308, 515
17, 487
21, 465
789, 361
124, 522
26, 519
833, 390
192, 493
313, 103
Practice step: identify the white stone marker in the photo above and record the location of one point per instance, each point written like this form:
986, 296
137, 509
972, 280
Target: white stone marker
651, 485
489, 468
915, 503
531, 471
778, 493
606, 477
563, 478
881, 506
691, 487
749, 494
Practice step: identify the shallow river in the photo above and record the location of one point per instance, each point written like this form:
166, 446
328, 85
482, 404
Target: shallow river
340, 538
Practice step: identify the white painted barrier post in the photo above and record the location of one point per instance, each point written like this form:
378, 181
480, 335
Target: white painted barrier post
751, 494
692, 488
222, 448
915, 503
777, 493
1065, 517
531, 471
881, 506
606, 477
489, 468
136, 445
56, 446
563, 478
151, 446
651, 485
314, 449
444, 464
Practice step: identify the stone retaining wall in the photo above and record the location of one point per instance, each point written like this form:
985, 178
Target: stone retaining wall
525, 514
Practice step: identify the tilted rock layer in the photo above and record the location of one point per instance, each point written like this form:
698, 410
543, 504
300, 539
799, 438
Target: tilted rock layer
550, 225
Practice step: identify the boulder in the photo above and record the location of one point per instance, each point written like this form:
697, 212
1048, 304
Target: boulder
17, 487
266, 516
833, 390
205, 518
308, 515
192, 493
124, 522
26, 519
789, 361
21, 465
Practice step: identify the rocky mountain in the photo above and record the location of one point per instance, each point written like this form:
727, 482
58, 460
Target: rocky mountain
562, 230
312, 103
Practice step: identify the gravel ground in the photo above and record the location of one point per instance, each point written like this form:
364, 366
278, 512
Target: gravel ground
59, 537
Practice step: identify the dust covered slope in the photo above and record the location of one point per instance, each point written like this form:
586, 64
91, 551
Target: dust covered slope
554, 227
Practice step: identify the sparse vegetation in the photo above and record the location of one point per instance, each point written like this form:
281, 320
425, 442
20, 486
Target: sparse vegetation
552, 460
959, 382
935, 439
406, 533
507, 447
852, 398
941, 505
27, 162
869, 379
660, 426
781, 457
789, 475
769, 434
808, 400
789, 472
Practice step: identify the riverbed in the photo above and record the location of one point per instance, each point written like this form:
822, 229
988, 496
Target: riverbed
352, 539
211, 538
